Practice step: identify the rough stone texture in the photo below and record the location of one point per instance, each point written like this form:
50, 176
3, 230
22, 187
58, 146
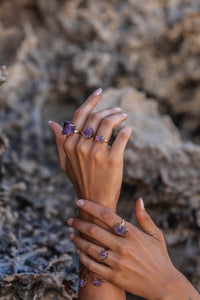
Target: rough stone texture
56, 53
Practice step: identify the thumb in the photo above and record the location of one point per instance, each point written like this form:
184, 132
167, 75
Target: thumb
146, 222
57, 130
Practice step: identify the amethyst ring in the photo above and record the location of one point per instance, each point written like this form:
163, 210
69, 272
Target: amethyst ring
101, 139
120, 229
88, 132
103, 255
69, 128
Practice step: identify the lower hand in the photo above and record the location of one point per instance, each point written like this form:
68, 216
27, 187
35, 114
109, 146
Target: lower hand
138, 262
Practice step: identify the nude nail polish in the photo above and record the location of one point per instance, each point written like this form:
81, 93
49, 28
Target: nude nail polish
97, 92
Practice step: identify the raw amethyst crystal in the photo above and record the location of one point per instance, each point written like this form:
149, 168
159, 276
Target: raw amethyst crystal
103, 254
120, 229
68, 128
100, 139
82, 282
97, 282
88, 132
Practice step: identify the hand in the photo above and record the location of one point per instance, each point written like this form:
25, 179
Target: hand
138, 262
94, 169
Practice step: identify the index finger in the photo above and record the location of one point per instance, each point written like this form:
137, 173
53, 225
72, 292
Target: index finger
104, 214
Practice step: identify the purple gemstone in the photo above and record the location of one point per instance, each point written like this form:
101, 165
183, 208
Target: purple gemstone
97, 282
88, 132
120, 229
68, 128
82, 282
100, 138
103, 254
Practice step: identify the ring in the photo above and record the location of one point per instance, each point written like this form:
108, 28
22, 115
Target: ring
88, 132
101, 139
120, 229
69, 128
103, 255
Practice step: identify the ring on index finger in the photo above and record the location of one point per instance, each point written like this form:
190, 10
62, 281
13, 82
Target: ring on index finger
120, 229
69, 128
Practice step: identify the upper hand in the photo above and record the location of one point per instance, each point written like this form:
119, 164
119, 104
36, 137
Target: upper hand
94, 169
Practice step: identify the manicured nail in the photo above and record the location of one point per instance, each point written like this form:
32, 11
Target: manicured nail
72, 235
124, 115
70, 221
50, 122
78, 251
118, 108
80, 203
97, 92
141, 203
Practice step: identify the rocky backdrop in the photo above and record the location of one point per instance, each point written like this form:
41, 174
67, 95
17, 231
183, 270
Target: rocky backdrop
146, 57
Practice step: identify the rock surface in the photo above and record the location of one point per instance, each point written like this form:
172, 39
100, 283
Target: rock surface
56, 53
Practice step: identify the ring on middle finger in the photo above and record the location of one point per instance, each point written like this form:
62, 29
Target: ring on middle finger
88, 132
103, 255
101, 139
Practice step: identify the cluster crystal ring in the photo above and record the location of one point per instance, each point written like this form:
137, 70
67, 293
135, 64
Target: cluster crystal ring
101, 139
69, 128
120, 229
103, 255
88, 132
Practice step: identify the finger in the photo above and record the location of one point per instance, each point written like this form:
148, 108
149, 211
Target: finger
107, 125
93, 250
104, 214
95, 232
57, 130
120, 142
94, 120
81, 114
146, 222
95, 267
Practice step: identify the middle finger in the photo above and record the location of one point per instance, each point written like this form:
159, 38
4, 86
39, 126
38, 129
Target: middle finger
93, 231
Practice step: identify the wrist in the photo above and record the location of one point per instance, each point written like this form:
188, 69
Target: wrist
176, 287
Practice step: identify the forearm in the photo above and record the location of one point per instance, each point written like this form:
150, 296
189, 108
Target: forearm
180, 289
106, 290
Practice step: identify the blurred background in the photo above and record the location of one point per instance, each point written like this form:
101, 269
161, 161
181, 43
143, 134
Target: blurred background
145, 55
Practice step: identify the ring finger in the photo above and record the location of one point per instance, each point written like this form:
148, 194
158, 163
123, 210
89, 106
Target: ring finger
94, 251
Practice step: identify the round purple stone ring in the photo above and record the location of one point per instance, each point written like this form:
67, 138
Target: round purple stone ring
101, 139
120, 229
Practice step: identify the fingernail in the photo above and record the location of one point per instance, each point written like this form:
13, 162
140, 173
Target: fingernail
97, 92
78, 251
124, 115
118, 108
72, 235
141, 203
50, 122
70, 221
80, 203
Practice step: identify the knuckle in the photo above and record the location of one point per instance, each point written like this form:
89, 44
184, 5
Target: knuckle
94, 116
76, 223
113, 160
107, 122
90, 249
123, 135
78, 112
81, 148
68, 147
105, 215
97, 155
91, 230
